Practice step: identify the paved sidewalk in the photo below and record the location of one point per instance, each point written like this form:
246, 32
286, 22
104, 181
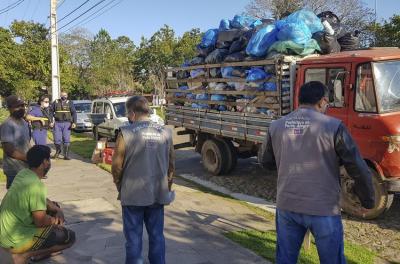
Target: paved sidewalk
193, 226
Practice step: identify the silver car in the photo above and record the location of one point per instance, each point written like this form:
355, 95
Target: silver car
83, 108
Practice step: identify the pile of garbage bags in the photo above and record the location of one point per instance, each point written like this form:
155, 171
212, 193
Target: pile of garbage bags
248, 38
245, 38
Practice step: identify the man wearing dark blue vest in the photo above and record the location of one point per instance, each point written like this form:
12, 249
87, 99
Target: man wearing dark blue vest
308, 147
143, 166
65, 120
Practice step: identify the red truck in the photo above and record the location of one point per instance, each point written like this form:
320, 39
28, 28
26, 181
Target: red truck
364, 93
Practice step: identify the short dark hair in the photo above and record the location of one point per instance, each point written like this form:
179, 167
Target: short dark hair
312, 92
42, 97
138, 105
37, 154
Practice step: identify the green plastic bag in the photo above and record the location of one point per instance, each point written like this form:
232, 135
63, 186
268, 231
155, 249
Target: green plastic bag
291, 48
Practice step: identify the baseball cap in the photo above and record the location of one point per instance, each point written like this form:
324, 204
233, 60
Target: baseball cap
14, 101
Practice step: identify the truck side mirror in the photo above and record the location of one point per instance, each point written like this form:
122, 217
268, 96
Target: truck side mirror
108, 116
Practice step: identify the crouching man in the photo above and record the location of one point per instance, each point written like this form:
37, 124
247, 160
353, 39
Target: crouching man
31, 226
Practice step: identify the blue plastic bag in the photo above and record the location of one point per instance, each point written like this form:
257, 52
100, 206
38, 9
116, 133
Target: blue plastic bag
201, 97
209, 38
226, 72
261, 41
308, 18
270, 86
200, 106
218, 97
241, 22
221, 108
297, 32
190, 96
256, 74
197, 73
225, 24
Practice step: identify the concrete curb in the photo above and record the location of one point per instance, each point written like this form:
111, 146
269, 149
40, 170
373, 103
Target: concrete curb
251, 200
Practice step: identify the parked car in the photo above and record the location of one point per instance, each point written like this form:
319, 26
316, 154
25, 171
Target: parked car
83, 108
109, 114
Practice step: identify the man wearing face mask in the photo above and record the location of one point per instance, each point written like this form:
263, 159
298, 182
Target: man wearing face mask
65, 119
39, 128
308, 148
15, 137
31, 226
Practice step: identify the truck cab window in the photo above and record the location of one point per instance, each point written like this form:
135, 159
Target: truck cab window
365, 95
333, 78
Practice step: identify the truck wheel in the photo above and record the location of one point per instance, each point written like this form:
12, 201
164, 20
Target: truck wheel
351, 204
231, 155
213, 156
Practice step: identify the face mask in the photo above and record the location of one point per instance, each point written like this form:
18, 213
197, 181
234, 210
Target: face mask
63, 98
45, 105
18, 113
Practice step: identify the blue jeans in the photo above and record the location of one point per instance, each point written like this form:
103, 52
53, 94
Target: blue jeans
153, 217
327, 231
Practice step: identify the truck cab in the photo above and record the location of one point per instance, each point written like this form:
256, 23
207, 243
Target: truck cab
364, 92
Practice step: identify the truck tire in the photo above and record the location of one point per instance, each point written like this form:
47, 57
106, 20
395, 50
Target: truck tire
231, 157
351, 203
213, 155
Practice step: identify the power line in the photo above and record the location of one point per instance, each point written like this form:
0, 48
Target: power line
76, 18
89, 18
10, 7
73, 11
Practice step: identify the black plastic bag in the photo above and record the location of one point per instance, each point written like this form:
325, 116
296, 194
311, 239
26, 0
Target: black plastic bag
334, 21
217, 56
203, 52
230, 35
182, 75
238, 45
215, 72
235, 57
350, 41
196, 61
327, 43
223, 44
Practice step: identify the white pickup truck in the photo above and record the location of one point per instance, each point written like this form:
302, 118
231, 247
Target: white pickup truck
109, 114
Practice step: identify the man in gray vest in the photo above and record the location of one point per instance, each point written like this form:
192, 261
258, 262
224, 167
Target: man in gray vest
143, 166
308, 147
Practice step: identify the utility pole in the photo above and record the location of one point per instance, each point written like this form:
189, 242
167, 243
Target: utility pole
55, 66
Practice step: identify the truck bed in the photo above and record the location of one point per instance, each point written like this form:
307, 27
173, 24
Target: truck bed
236, 125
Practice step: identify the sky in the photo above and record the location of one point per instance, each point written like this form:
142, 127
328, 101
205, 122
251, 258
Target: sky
137, 18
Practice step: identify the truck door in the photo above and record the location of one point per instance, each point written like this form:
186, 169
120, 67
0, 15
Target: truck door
337, 79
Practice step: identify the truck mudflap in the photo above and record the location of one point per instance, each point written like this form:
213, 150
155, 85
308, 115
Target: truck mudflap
393, 185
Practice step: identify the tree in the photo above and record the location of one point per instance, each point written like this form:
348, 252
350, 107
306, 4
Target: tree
24, 59
388, 33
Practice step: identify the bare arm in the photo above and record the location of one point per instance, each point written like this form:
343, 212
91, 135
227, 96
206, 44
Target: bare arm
12, 152
118, 161
171, 165
41, 219
266, 156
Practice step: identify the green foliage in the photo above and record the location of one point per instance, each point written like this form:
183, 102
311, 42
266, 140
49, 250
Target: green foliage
90, 66
263, 243
388, 33
24, 59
